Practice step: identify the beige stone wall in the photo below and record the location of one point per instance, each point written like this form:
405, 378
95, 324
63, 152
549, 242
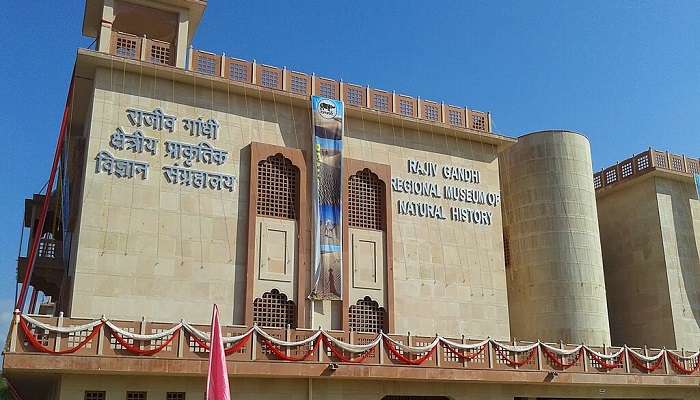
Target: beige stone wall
449, 276
163, 251
73, 387
650, 229
556, 288
150, 248
635, 273
679, 216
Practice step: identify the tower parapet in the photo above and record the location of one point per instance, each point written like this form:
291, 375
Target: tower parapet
155, 31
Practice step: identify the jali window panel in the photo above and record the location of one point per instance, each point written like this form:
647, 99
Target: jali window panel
278, 181
366, 202
366, 316
274, 310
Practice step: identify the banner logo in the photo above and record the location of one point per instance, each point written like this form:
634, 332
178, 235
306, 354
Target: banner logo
327, 109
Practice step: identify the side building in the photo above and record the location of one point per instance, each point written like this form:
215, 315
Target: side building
649, 217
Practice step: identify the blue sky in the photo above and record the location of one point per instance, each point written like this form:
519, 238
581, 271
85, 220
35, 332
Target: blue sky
625, 73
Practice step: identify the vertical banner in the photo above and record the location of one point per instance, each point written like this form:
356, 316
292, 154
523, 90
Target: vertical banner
327, 188
697, 184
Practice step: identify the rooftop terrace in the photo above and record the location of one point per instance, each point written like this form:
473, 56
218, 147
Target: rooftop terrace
643, 163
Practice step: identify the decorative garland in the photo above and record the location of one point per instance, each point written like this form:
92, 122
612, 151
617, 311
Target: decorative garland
680, 367
339, 349
642, 365
512, 362
554, 359
230, 350
462, 357
137, 350
283, 356
602, 362
39, 346
339, 355
391, 346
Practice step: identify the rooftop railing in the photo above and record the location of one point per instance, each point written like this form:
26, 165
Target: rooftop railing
42, 334
642, 163
142, 48
353, 95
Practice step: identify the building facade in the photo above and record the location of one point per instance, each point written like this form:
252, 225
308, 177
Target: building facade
188, 179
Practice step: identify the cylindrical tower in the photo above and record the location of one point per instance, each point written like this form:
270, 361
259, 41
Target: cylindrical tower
554, 264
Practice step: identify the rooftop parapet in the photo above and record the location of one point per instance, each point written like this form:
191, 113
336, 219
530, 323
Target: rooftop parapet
354, 95
643, 163
274, 78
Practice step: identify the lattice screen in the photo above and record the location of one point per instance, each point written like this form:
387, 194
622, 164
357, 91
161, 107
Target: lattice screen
277, 187
479, 121
380, 102
135, 395
366, 316
274, 310
160, 54
431, 112
126, 47
354, 96
94, 395
206, 65
238, 72
366, 201
327, 89
406, 107
454, 117
41, 335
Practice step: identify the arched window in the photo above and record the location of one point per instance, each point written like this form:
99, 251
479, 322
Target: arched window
274, 310
278, 182
366, 201
366, 316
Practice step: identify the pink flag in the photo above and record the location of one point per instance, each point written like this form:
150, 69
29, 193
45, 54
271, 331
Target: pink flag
217, 378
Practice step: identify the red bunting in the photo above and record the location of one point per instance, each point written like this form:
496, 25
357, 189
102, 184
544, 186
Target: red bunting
339, 354
136, 350
642, 365
463, 357
553, 357
680, 367
392, 349
37, 345
511, 361
602, 364
281, 355
229, 350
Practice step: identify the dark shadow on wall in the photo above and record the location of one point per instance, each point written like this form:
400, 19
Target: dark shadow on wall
240, 246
